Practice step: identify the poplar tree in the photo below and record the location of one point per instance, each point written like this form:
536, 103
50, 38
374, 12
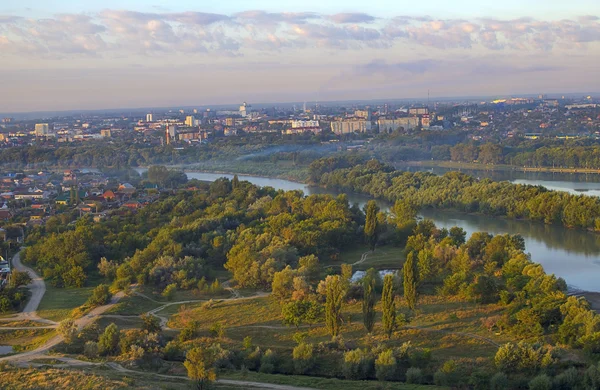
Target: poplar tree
333, 304
371, 228
410, 281
368, 304
388, 306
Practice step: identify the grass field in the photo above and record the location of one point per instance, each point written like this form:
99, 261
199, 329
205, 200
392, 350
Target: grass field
25, 339
322, 383
58, 303
384, 257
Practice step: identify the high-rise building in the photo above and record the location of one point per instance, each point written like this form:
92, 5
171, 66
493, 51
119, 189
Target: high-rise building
346, 127
149, 118
7, 120
245, 109
190, 121
363, 114
390, 125
106, 133
41, 129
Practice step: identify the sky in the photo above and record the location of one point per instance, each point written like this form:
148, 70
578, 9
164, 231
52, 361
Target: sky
66, 54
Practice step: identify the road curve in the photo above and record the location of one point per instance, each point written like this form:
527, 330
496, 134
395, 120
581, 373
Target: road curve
37, 287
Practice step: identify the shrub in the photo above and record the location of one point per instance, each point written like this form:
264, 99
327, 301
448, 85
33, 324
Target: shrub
357, 364
217, 330
414, 376
386, 368
592, 377
567, 380
91, 350
268, 362
169, 291
540, 382
100, 296
303, 358
499, 381
440, 378
252, 361
68, 330
173, 351
109, 340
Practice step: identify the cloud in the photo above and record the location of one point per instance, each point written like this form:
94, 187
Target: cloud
413, 67
351, 18
117, 33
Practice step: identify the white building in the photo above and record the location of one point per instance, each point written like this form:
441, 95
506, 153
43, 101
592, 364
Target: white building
190, 121
149, 118
390, 125
347, 127
245, 109
304, 124
41, 129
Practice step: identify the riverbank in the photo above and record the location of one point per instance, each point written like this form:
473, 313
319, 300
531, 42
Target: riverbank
493, 167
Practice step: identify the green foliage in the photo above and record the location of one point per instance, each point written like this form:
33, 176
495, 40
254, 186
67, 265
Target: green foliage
150, 323
100, 296
169, 291
499, 381
18, 279
109, 340
68, 330
540, 382
388, 306
303, 358
199, 363
357, 365
523, 357
386, 368
414, 376
333, 304
371, 224
369, 300
91, 349
302, 311
409, 281
268, 362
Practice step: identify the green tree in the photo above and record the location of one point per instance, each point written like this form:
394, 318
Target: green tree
371, 224
68, 330
169, 291
386, 367
333, 304
100, 296
109, 340
388, 306
18, 279
150, 323
368, 304
199, 363
410, 281
303, 358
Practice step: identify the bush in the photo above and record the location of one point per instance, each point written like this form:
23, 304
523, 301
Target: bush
440, 378
169, 291
100, 296
570, 379
499, 381
252, 360
173, 351
303, 358
268, 362
414, 376
68, 330
91, 350
386, 367
592, 377
217, 330
480, 380
357, 364
540, 382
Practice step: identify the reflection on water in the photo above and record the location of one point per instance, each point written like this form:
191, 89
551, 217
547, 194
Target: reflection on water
574, 183
571, 254
358, 275
6, 349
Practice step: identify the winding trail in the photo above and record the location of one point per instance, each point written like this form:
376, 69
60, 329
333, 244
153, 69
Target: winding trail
37, 287
363, 258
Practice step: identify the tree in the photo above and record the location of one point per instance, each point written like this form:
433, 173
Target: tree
68, 330
303, 358
410, 281
388, 306
169, 291
371, 224
386, 366
150, 323
333, 304
368, 305
199, 363
100, 296
18, 279
107, 268
109, 340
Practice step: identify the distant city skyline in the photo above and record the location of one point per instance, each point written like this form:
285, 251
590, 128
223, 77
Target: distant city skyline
64, 55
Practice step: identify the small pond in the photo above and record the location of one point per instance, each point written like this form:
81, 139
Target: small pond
358, 275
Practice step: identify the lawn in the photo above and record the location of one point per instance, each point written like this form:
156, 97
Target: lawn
25, 339
58, 303
384, 257
321, 383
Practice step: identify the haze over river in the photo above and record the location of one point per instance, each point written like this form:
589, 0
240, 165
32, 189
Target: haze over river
571, 254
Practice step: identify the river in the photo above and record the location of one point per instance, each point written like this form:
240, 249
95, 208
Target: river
571, 254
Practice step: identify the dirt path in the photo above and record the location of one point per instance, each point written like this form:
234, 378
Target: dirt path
37, 287
363, 258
